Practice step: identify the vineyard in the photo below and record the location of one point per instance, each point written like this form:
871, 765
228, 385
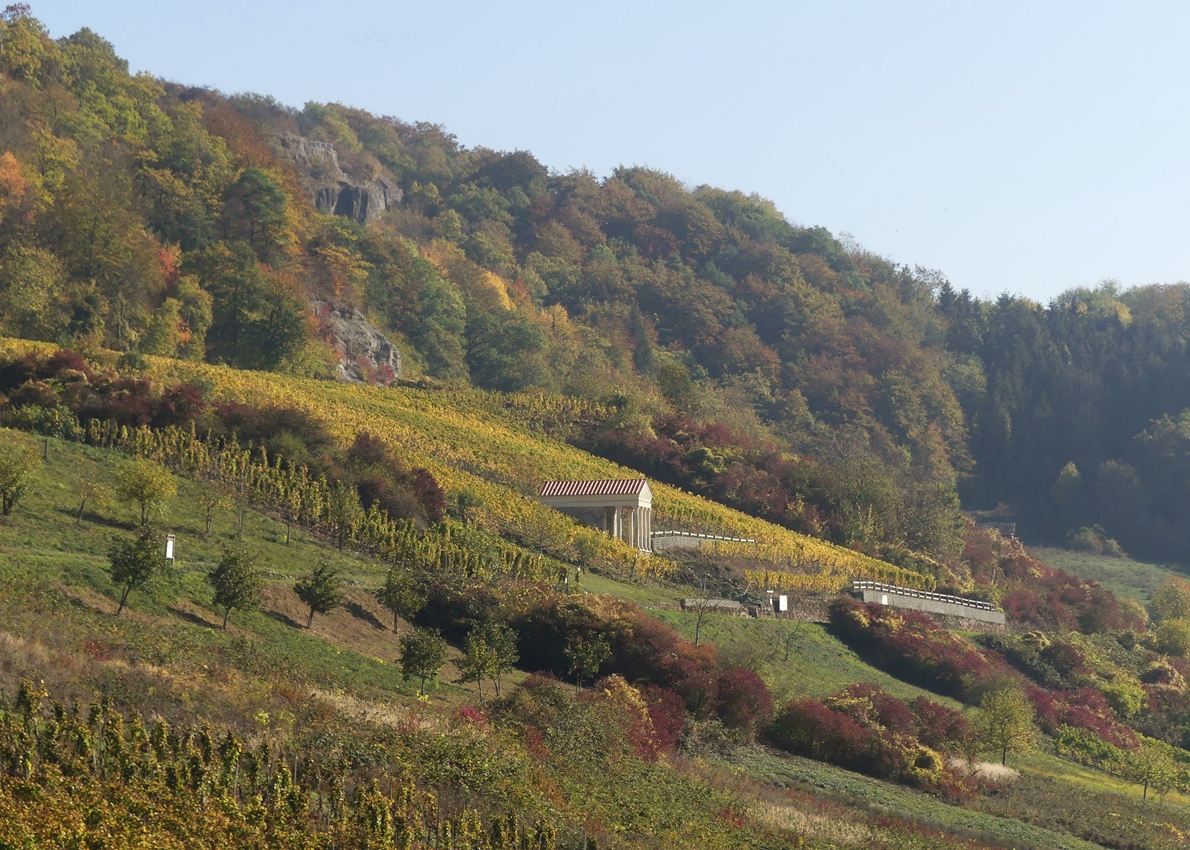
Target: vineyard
490, 446
487, 445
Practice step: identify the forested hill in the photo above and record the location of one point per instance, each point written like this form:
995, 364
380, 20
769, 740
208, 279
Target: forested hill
767, 365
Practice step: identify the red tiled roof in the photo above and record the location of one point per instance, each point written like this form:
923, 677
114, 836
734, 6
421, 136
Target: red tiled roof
593, 488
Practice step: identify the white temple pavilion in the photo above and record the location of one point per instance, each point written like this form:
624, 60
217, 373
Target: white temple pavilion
622, 509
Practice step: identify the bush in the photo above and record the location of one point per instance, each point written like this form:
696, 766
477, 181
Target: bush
1085, 709
862, 728
743, 702
1173, 637
913, 647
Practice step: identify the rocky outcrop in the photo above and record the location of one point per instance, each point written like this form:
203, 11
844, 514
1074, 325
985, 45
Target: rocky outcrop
330, 188
365, 355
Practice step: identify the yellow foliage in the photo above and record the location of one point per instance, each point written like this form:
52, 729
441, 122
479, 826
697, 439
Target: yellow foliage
483, 442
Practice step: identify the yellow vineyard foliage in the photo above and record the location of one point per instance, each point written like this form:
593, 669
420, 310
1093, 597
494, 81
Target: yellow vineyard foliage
492, 445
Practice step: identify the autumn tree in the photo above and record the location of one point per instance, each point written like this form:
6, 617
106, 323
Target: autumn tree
1171, 601
490, 652
147, 484
322, 591
236, 583
134, 561
1149, 764
1004, 721
19, 465
212, 497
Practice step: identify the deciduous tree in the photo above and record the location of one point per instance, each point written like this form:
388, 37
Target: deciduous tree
1004, 721
1150, 764
422, 655
400, 595
322, 591
133, 561
146, 483
236, 582
19, 464
586, 656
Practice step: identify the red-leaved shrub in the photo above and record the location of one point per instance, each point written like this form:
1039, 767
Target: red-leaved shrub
743, 701
913, 647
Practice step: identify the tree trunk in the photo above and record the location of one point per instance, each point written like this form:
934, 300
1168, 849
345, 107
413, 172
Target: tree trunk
123, 599
82, 508
208, 531
1145, 795
226, 614
1004, 757
144, 514
310, 619
288, 523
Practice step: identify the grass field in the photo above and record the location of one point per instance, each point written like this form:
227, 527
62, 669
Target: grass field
1123, 576
816, 664
56, 589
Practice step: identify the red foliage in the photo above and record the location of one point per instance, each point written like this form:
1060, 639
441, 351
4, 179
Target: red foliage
867, 730
938, 726
915, 648
429, 493
1039, 595
743, 701
469, 715
668, 713
1083, 709
809, 728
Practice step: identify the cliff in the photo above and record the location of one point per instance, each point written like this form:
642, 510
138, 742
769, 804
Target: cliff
365, 355
330, 188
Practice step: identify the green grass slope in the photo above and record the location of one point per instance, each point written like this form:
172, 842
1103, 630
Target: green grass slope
1123, 576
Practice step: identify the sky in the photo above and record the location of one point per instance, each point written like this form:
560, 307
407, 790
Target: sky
1016, 147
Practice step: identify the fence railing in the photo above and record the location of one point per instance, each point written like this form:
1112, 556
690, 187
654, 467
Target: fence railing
690, 535
879, 587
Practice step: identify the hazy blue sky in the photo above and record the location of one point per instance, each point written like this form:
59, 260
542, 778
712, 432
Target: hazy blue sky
1027, 147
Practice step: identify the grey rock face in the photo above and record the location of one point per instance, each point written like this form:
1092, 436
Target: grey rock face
365, 354
331, 189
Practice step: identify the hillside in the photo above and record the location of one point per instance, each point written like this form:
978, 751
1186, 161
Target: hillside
166, 657
334, 355
771, 366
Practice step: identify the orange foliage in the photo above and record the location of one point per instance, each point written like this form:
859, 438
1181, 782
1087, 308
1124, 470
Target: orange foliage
12, 182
